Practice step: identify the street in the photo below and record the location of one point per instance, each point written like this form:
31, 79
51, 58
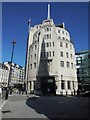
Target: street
21, 106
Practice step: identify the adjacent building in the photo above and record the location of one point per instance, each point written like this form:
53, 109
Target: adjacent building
83, 69
50, 59
17, 74
4, 73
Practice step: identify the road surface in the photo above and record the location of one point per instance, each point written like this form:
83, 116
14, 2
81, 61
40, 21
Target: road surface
21, 106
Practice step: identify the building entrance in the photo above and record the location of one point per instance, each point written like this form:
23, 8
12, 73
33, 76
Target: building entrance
48, 85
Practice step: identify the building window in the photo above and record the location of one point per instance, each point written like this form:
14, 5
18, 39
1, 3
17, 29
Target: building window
61, 44
63, 38
53, 53
30, 66
72, 65
67, 55
68, 84
50, 28
47, 36
63, 32
59, 37
47, 29
62, 84
61, 54
35, 47
47, 44
71, 56
68, 65
47, 54
50, 54
35, 56
66, 39
58, 31
50, 44
35, 65
50, 36
66, 45
70, 46
53, 43
44, 36
62, 63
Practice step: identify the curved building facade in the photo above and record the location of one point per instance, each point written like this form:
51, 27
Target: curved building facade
50, 61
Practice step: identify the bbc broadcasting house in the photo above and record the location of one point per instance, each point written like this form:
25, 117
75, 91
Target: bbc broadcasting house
50, 59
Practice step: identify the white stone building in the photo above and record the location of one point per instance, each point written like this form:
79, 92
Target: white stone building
4, 74
17, 74
50, 59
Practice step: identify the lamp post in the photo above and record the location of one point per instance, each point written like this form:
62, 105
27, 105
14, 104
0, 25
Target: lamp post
9, 78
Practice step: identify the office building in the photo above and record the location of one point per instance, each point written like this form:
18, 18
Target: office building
83, 69
4, 74
17, 74
50, 59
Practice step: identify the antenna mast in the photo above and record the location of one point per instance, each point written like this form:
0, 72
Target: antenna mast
48, 17
29, 24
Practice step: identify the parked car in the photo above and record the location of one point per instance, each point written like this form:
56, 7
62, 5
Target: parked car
86, 94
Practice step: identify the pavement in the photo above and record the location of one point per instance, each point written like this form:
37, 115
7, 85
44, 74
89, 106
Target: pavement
23, 106
2, 103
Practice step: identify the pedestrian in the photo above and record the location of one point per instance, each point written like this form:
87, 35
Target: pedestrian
10, 91
78, 93
7, 92
66, 93
26, 92
74, 92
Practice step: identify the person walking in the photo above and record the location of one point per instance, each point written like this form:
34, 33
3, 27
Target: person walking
7, 92
74, 92
78, 93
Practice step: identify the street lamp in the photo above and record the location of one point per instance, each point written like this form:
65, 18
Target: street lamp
9, 78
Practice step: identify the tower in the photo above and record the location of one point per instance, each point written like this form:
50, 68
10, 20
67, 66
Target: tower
51, 59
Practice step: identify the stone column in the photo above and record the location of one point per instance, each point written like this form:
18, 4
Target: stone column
71, 84
32, 85
29, 86
76, 85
